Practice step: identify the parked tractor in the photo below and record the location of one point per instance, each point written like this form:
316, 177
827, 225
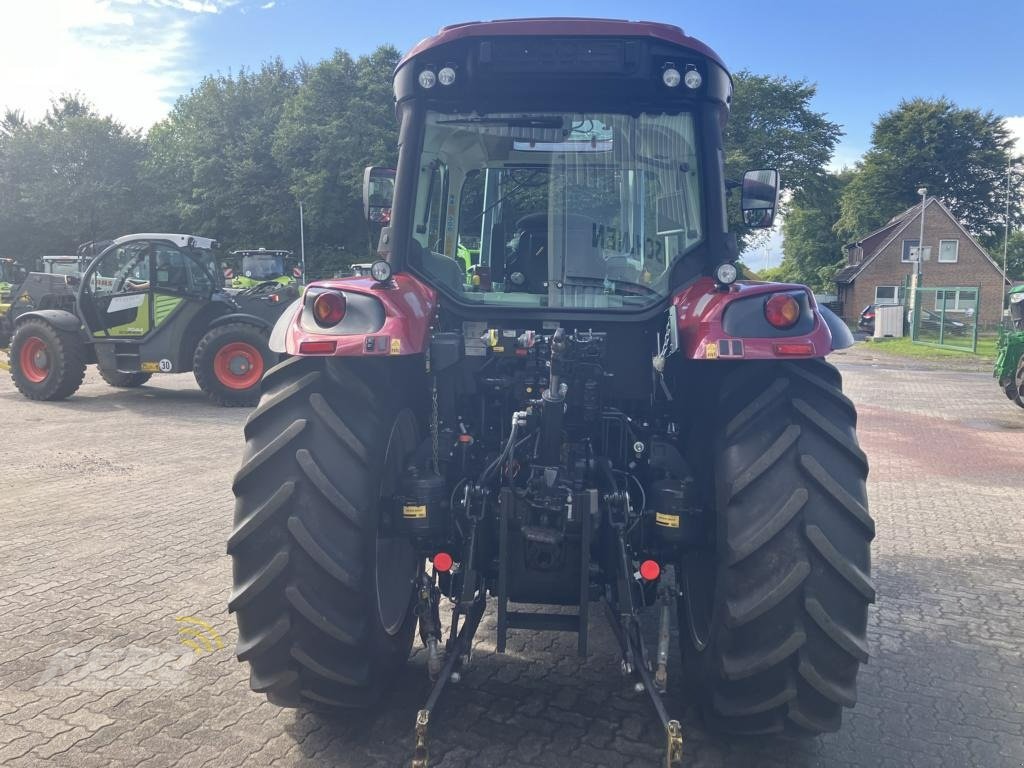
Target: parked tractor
599, 414
248, 269
11, 275
1009, 368
148, 303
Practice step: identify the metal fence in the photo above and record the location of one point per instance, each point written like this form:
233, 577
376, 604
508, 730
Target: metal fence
946, 317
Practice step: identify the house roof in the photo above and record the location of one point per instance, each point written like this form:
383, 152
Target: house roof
898, 225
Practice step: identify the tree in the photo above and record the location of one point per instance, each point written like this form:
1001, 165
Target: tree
959, 154
340, 120
210, 168
812, 251
772, 125
69, 178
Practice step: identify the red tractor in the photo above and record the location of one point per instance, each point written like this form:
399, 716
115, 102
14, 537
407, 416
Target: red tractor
588, 408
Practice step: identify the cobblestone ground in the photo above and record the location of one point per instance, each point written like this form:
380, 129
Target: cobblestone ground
114, 511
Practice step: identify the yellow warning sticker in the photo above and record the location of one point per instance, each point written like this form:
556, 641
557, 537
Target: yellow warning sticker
150, 367
411, 512
711, 351
396, 346
667, 521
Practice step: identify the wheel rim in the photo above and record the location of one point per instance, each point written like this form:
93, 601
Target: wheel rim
396, 565
238, 365
698, 596
34, 360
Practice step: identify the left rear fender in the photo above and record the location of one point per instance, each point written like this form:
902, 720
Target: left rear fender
730, 324
384, 319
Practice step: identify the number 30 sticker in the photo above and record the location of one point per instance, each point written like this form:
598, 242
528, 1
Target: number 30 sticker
165, 366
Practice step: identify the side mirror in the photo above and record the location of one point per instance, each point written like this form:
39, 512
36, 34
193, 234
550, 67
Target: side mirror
378, 192
760, 198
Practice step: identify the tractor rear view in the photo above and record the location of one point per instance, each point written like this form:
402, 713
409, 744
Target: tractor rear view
591, 413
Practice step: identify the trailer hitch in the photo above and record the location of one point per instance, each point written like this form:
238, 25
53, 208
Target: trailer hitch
626, 628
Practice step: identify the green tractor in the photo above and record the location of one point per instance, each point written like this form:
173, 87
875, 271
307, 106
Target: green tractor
148, 303
1009, 368
253, 267
10, 275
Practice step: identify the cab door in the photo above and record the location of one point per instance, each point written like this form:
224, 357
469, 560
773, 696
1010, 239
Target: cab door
116, 294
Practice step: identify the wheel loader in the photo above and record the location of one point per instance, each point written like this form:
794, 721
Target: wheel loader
594, 418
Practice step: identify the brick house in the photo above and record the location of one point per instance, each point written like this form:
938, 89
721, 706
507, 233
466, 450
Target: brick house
879, 263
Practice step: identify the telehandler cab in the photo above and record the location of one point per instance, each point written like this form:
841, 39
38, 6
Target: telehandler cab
148, 303
596, 412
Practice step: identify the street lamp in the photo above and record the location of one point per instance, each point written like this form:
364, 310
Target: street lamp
1006, 228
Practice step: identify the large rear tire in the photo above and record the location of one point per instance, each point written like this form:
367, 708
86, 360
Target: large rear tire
46, 362
229, 362
773, 617
125, 380
324, 603
1018, 381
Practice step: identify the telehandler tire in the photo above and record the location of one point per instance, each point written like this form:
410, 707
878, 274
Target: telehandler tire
324, 602
229, 362
773, 617
125, 380
46, 362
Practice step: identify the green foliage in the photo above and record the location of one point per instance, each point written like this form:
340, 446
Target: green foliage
210, 168
340, 120
69, 178
959, 154
772, 125
1014, 253
812, 251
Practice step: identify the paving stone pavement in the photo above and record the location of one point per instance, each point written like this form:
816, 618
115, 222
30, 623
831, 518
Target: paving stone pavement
114, 511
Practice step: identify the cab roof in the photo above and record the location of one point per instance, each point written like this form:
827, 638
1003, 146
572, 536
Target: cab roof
563, 27
182, 241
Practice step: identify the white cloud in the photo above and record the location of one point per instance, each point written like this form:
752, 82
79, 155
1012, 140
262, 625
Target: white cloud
1016, 126
131, 58
268, 6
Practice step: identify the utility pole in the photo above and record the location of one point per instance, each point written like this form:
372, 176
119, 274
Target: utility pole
923, 192
1006, 233
302, 243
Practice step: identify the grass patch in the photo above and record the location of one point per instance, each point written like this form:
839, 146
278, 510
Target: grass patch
906, 348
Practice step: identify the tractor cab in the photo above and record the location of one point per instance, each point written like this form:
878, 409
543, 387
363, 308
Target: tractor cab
562, 173
252, 267
64, 265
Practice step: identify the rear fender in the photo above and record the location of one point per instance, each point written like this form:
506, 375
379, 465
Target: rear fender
705, 333
59, 318
404, 324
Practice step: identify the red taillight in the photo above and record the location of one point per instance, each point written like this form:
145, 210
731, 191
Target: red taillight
442, 562
318, 347
650, 570
329, 308
795, 349
782, 310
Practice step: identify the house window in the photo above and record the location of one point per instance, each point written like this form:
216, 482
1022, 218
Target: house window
907, 245
956, 300
949, 251
888, 294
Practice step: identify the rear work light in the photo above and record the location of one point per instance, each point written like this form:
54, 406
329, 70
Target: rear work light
329, 308
782, 310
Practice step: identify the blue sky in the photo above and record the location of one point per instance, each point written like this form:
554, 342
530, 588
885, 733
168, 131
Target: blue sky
132, 58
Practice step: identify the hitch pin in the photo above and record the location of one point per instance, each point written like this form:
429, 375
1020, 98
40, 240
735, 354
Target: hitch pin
420, 755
